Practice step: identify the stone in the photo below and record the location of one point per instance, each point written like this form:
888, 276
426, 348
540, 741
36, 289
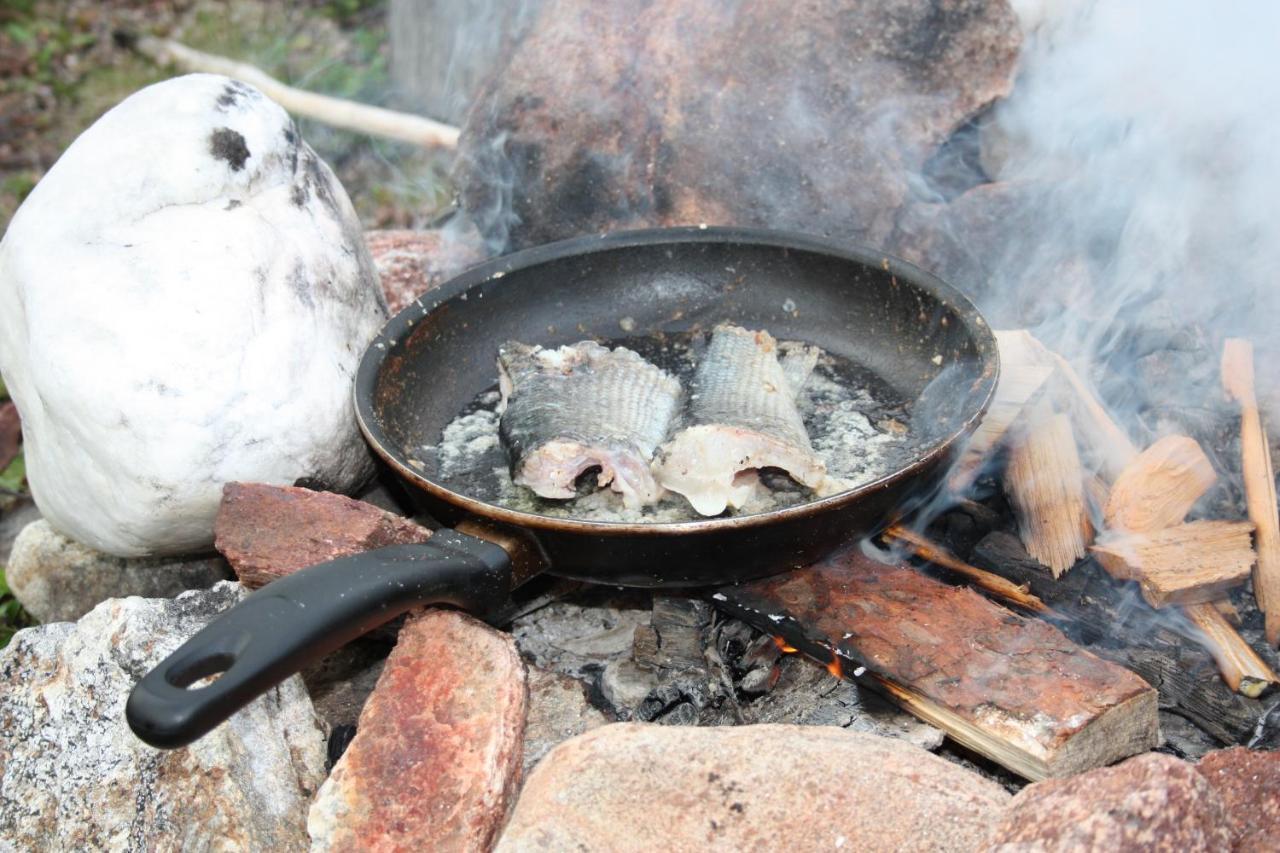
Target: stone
558, 710
1150, 802
266, 532
813, 118
1248, 781
13, 520
631, 786
59, 580
73, 777
184, 299
411, 263
340, 683
10, 433
436, 756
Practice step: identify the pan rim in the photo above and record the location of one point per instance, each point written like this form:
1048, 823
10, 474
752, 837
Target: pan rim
402, 323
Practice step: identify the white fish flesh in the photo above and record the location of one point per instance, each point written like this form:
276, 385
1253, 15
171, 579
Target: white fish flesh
567, 410
741, 416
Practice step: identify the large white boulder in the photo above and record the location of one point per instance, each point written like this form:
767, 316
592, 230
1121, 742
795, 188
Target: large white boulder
184, 299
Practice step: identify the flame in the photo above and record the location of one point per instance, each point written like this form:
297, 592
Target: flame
835, 668
782, 644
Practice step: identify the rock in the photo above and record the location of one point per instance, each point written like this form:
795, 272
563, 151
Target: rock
266, 532
198, 322
1151, 802
13, 520
60, 580
630, 786
10, 433
1248, 781
410, 263
340, 683
604, 119
558, 710
73, 777
436, 756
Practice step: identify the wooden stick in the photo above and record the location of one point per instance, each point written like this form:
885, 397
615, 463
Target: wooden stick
1241, 668
988, 582
1186, 564
1259, 480
1045, 483
1109, 445
1159, 487
338, 112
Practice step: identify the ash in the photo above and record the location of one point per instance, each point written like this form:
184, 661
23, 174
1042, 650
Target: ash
856, 435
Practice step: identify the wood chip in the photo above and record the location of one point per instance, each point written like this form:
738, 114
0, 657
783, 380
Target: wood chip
1241, 668
1045, 483
1159, 487
1186, 564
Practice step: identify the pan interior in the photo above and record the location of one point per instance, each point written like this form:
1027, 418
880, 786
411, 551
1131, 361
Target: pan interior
910, 340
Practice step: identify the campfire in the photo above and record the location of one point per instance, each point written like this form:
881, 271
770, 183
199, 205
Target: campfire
1010, 564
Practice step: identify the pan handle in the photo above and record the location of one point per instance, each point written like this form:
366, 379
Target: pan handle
300, 618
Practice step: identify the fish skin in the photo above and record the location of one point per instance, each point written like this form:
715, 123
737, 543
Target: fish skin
569, 409
741, 416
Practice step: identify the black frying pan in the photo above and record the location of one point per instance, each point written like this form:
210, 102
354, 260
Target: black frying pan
917, 338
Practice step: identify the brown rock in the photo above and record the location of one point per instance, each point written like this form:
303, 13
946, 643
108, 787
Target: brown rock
764, 112
1151, 802
10, 433
410, 263
632, 786
1249, 783
266, 532
558, 710
436, 756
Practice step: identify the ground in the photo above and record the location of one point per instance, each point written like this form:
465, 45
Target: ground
65, 62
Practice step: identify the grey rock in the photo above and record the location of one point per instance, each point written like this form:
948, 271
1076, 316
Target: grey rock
73, 777
13, 519
60, 580
340, 684
626, 686
558, 710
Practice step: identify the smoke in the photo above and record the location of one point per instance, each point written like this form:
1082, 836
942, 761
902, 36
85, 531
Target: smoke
1140, 140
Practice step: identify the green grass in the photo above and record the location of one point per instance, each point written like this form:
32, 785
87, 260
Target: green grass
12, 617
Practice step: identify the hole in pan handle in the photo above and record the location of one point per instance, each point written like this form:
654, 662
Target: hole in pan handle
299, 619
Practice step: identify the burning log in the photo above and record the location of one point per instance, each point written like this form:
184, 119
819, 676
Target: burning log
1259, 480
1187, 564
1045, 483
1241, 668
1025, 369
1013, 689
992, 584
1159, 487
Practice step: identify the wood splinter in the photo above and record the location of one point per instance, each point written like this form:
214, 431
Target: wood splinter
1241, 668
1186, 564
1045, 483
1259, 480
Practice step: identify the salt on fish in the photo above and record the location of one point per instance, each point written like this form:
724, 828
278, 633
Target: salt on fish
567, 410
741, 416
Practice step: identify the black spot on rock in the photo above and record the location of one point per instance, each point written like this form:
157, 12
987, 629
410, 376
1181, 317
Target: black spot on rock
299, 195
315, 484
301, 286
233, 204
226, 144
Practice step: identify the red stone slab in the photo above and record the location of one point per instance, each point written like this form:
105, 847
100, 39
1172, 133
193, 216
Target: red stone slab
1014, 688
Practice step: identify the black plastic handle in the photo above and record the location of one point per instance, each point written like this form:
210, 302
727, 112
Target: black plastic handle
301, 618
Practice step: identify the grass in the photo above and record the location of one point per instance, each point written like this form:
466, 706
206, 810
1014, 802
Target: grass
12, 617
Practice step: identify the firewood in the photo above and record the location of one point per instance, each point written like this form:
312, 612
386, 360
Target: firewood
992, 584
1108, 445
1092, 608
1159, 487
1025, 368
1045, 483
1011, 688
349, 115
1259, 480
1187, 564
1239, 664
1227, 608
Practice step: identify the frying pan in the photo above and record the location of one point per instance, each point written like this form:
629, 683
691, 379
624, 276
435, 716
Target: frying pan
920, 340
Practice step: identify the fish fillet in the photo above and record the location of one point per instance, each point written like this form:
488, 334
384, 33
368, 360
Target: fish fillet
741, 416
578, 407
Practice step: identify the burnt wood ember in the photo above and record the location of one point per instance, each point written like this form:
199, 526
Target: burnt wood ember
1013, 689
601, 118
1109, 618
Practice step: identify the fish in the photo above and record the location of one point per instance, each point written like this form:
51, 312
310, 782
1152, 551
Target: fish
564, 411
740, 416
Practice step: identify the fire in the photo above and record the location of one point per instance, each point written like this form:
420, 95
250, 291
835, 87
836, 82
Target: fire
784, 646
835, 668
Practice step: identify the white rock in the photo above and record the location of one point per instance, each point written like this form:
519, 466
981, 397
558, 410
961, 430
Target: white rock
184, 298
73, 777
